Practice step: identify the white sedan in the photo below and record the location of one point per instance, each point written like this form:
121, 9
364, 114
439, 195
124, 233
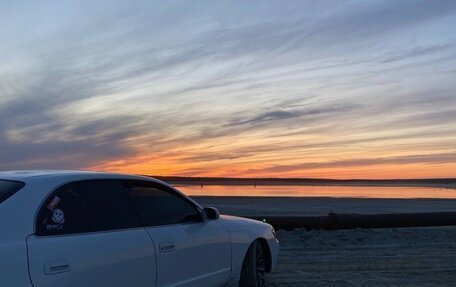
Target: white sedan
69, 228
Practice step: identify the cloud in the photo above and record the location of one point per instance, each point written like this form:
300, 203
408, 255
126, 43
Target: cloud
359, 162
269, 116
281, 116
417, 52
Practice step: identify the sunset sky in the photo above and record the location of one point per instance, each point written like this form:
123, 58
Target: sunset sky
333, 89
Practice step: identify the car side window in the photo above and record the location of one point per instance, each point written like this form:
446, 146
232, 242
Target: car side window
86, 206
159, 205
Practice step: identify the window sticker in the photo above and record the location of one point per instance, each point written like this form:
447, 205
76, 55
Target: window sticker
58, 216
54, 226
53, 204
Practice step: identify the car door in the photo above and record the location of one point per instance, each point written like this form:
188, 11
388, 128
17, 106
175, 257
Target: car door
190, 251
88, 234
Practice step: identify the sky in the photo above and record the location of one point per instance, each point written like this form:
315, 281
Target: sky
326, 89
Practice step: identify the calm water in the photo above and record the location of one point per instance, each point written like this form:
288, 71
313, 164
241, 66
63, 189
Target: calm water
320, 191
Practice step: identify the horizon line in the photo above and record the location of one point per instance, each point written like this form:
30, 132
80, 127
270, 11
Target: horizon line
297, 178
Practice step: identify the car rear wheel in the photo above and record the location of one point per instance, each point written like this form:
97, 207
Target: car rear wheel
253, 272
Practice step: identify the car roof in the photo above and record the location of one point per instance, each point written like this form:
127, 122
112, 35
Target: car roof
63, 176
25, 175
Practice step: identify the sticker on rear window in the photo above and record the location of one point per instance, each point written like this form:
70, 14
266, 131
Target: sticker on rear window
54, 227
53, 204
58, 216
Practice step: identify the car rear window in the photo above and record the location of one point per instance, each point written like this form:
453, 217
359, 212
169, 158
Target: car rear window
8, 188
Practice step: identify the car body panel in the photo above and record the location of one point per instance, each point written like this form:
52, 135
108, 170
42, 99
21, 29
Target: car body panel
206, 243
16, 222
14, 268
243, 232
78, 259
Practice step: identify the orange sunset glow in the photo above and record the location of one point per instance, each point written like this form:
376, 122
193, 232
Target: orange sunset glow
218, 159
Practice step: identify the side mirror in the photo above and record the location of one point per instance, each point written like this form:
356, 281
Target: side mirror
211, 213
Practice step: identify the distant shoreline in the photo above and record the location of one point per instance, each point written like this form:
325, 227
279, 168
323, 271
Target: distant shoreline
321, 206
448, 183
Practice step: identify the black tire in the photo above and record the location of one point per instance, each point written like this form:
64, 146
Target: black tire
253, 272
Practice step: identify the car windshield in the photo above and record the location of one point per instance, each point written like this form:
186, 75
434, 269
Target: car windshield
8, 188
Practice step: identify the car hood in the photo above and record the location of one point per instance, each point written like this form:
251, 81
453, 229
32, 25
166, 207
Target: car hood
242, 221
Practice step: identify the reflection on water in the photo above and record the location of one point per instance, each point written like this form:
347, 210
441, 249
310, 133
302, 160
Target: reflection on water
319, 191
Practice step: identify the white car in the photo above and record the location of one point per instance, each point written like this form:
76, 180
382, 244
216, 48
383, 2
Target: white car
69, 228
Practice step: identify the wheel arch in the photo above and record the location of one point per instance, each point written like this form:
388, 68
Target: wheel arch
267, 252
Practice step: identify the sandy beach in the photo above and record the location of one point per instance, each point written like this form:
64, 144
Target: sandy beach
372, 257
424, 256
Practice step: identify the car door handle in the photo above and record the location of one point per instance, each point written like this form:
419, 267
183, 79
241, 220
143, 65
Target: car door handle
167, 247
57, 266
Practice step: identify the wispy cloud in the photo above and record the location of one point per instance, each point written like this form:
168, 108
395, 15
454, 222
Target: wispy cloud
283, 115
365, 162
